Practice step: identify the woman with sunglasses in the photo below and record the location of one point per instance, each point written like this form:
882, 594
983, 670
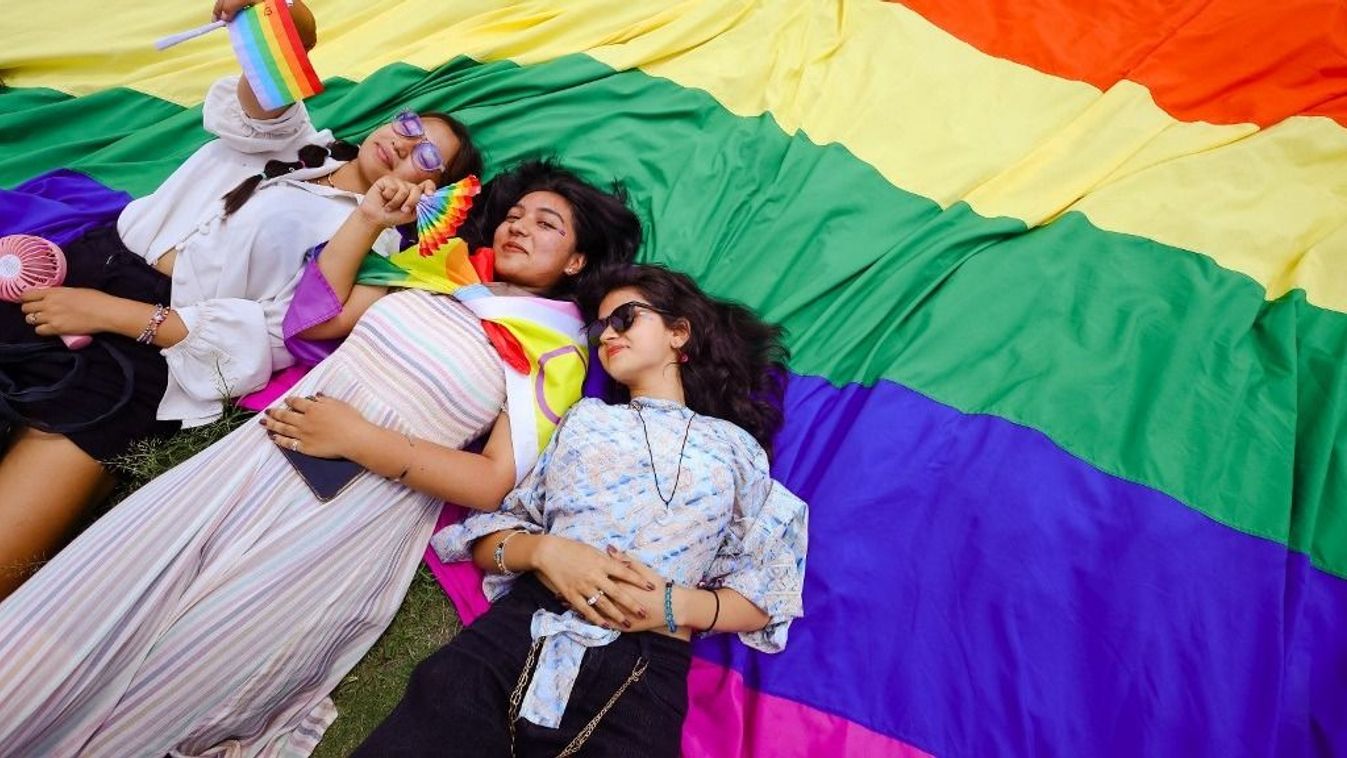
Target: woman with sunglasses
184, 297
672, 482
214, 610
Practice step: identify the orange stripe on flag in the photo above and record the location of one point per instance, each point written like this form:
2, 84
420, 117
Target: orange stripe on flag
1221, 61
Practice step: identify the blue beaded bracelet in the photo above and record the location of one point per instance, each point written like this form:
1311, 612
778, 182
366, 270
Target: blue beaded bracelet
668, 607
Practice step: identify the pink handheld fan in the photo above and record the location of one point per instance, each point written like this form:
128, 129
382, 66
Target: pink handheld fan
28, 261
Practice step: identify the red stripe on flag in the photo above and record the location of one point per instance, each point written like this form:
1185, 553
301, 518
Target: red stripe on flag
1221, 61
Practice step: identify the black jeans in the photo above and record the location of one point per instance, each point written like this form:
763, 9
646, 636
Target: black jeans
457, 701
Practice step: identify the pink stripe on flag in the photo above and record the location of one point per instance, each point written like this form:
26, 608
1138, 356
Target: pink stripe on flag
726, 719
461, 580
277, 387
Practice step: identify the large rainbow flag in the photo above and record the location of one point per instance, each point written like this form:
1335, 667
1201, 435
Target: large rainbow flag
1065, 284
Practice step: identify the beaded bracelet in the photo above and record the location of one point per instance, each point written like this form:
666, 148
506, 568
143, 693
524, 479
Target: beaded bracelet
499, 553
668, 608
151, 329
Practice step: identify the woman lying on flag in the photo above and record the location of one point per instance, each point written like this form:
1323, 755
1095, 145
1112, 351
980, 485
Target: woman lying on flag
184, 297
643, 522
528, 221
214, 610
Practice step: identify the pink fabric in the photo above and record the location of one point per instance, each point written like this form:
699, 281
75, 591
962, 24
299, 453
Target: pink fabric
280, 384
461, 580
726, 719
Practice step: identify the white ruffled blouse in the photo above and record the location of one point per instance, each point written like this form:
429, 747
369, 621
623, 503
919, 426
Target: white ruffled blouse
233, 278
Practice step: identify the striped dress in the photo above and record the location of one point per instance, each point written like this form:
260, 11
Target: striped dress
213, 611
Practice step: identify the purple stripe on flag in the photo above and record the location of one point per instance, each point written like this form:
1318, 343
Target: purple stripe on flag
60, 206
973, 589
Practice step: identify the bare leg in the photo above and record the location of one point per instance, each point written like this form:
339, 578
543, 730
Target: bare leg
46, 483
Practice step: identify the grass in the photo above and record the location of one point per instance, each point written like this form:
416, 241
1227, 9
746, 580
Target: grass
425, 621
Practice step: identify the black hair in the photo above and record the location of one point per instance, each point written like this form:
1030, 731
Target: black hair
310, 156
606, 230
735, 365
468, 160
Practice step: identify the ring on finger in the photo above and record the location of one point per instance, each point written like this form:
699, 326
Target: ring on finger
593, 599
294, 445
31, 318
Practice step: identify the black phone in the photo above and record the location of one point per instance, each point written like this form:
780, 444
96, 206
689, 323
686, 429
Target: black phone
326, 477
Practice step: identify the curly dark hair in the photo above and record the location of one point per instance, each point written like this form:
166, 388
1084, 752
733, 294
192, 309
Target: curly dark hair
606, 230
736, 367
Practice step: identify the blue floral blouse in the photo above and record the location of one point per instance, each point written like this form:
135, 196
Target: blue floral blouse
728, 523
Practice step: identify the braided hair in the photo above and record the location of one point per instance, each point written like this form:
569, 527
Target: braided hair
467, 160
310, 156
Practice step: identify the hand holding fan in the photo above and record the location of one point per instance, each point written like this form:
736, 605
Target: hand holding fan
28, 261
439, 260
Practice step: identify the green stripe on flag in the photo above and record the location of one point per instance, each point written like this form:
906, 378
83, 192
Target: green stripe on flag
1151, 363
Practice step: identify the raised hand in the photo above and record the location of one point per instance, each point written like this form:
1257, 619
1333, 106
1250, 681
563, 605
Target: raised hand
391, 201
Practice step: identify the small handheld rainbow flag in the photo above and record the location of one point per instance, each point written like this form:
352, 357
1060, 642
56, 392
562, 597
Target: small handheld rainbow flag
272, 55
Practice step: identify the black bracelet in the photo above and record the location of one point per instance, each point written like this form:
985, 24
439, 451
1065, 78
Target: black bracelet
716, 617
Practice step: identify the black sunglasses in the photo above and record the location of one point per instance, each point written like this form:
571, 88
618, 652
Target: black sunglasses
621, 319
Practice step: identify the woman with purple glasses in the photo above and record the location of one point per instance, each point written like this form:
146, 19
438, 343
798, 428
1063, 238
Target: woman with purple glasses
214, 610
184, 297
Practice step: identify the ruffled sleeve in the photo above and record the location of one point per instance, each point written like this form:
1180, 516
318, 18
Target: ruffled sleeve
233, 344
223, 116
763, 554
231, 348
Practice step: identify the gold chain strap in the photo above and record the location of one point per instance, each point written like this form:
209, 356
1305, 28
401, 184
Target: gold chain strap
580, 738
517, 697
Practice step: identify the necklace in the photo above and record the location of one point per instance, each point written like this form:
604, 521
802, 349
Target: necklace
679, 475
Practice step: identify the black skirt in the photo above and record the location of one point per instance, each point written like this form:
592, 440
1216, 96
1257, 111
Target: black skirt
458, 699
105, 396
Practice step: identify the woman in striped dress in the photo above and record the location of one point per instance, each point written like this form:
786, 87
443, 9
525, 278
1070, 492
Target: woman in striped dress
212, 612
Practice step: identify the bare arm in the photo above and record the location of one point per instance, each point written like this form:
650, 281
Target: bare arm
695, 608
388, 202
129, 317
326, 427
80, 310
340, 260
308, 35
476, 480
361, 298
574, 571
633, 593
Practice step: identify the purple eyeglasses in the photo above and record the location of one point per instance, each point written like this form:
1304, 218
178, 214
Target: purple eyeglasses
425, 155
